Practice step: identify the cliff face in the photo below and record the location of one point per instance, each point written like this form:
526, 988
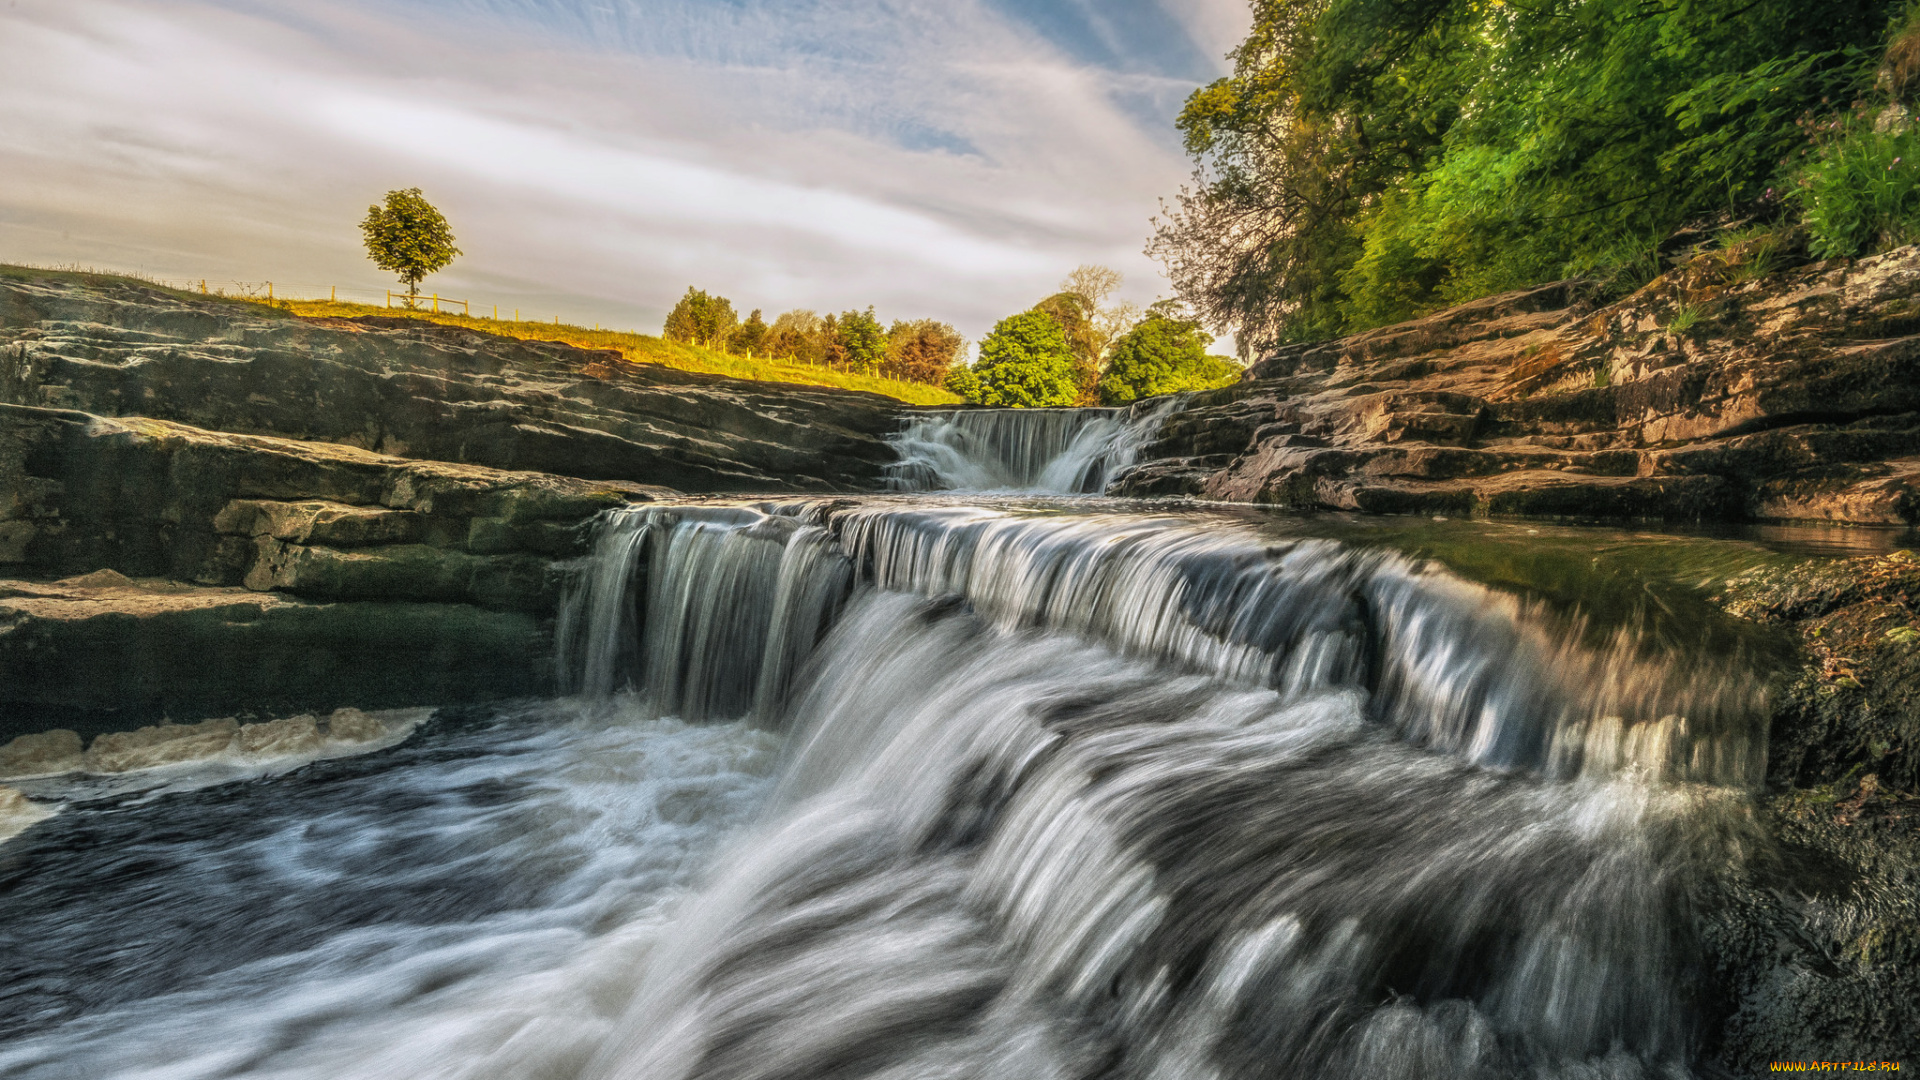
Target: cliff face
1713, 393
417, 390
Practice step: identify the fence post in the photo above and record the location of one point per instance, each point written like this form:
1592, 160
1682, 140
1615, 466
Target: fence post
269, 290
203, 286
333, 293
389, 299
496, 313
436, 303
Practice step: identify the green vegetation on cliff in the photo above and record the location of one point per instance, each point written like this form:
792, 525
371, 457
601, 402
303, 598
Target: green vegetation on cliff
1369, 161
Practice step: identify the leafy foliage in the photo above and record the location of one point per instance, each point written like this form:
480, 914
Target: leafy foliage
1074, 315
921, 351
699, 319
1860, 191
408, 237
1370, 160
796, 336
1025, 362
750, 337
1162, 355
858, 342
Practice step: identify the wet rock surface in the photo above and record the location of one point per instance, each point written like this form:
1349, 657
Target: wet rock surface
1815, 943
409, 389
1711, 394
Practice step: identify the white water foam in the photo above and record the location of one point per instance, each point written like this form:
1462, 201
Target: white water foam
610, 819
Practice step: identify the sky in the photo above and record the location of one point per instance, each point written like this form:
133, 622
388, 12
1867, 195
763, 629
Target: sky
951, 159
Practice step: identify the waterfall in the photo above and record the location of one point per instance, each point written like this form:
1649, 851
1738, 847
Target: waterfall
891, 789
1062, 451
733, 599
1124, 795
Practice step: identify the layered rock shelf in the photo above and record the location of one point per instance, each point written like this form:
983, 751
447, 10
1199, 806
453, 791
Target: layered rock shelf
210, 507
1711, 394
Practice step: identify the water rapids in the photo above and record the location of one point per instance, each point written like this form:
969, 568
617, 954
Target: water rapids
891, 789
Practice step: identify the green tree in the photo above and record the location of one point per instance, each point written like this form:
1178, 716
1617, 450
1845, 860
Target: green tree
1074, 315
751, 336
1025, 363
796, 336
408, 237
962, 381
833, 351
1164, 354
1089, 322
921, 351
699, 319
862, 341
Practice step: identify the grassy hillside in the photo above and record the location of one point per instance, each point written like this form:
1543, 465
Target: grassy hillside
646, 349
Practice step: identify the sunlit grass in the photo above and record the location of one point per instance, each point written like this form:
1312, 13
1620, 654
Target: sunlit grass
643, 349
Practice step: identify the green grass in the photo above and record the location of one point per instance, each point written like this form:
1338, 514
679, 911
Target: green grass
643, 349
1684, 318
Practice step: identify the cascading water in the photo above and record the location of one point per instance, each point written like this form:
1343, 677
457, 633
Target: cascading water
1121, 796
1033, 793
1060, 451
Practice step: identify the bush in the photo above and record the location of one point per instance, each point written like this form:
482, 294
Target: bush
1162, 356
1860, 191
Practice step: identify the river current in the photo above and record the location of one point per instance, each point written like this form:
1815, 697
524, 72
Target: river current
959, 786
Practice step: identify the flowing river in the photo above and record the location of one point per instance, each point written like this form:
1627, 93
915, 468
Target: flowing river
934, 786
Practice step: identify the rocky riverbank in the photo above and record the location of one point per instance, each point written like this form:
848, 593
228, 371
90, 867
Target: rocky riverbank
1718, 392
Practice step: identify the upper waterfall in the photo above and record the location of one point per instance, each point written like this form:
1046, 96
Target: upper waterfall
1057, 451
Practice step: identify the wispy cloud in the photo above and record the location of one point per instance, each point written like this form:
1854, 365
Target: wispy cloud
946, 159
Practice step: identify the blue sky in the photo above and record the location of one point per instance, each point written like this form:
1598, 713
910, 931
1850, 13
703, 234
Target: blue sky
945, 158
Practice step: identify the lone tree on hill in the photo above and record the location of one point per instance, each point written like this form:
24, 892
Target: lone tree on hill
408, 237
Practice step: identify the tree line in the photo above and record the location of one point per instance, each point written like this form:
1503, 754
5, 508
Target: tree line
1075, 347
1372, 160
915, 350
